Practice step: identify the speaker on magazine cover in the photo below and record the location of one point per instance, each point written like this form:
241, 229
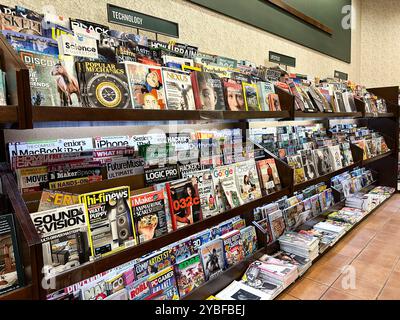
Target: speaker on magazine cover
123, 221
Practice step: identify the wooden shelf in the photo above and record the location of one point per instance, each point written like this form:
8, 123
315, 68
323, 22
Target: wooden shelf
103, 264
327, 115
8, 114
224, 279
377, 158
379, 115
324, 178
318, 219
62, 114
24, 293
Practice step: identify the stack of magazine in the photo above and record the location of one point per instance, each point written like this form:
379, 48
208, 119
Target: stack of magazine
305, 246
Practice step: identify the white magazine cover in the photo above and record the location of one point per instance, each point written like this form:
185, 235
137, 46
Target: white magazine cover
241, 292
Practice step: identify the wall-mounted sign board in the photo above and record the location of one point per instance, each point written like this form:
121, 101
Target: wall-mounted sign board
322, 25
282, 59
133, 19
341, 75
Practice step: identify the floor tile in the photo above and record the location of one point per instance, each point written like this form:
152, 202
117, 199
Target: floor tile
306, 289
367, 271
364, 289
324, 275
333, 294
335, 260
389, 293
286, 296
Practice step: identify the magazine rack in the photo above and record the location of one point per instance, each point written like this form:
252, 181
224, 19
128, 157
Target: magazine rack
28, 240
17, 82
22, 115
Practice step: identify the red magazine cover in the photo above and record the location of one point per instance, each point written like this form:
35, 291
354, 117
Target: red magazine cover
184, 202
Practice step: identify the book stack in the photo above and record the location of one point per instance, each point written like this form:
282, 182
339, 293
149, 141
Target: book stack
258, 277
349, 215
303, 264
326, 239
335, 227
303, 245
278, 272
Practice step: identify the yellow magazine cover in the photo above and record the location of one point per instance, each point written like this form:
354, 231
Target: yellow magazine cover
251, 98
109, 217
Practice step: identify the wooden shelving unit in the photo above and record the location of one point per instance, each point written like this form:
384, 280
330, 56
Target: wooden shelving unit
22, 115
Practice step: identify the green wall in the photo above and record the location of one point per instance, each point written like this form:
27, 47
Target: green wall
263, 15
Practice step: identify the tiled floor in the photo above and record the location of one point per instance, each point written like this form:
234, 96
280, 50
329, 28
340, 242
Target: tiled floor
364, 265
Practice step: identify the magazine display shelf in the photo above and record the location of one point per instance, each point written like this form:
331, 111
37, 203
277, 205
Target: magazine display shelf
236, 272
24, 115
17, 82
28, 240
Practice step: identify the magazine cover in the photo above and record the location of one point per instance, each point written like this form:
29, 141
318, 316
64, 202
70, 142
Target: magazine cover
208, 91
322, 161
240, 291
277, 223
138, 290
199, 239
212, 257
251, 98
149, 216
231, 193
257, 277
51, 199
226, 174
247, 181
29, 42
310, 170
189, 275
11, 269
20, 24
336, 157
184, 203
178, 90
44, 89
208, 199
249, 240
153, 263
96, 289
30, 179
109, 219
63, 232
264, 226
233, 248
264, 90
292, 215
163, 285
182, 250
146, 86
103, 85
233, 92
124, 167
269, 176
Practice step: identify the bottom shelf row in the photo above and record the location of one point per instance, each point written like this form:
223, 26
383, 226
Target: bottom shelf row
171, 273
